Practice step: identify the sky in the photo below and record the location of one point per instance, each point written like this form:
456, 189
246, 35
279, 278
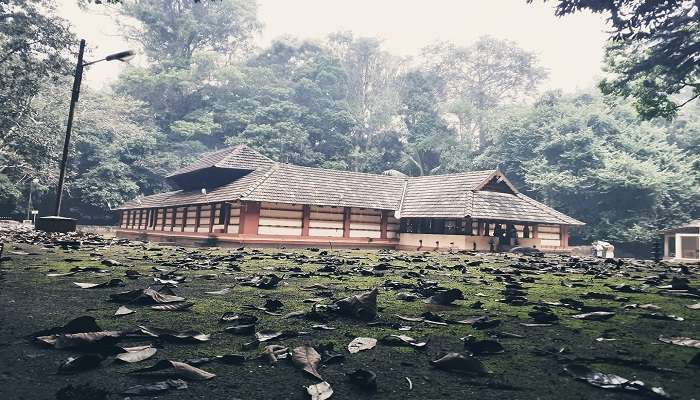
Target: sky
571, 48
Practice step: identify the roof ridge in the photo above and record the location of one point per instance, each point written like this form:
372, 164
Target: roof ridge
403, 196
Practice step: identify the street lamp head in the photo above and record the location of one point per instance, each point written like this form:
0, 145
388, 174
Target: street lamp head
121, 56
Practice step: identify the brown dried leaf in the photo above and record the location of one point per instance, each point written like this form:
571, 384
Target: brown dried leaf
308, 359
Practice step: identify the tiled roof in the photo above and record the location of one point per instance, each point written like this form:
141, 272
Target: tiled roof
689, 225
305, 185
441, 196
505, 206
237, 157
228, 192
436, 196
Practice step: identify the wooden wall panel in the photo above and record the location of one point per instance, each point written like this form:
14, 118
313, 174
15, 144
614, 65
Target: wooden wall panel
326, 232
550, 235
365, 223
217, 218
279, 230
280, 219
234, 218
326, 221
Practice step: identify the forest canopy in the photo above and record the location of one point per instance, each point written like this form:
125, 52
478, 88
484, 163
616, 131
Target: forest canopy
343, 102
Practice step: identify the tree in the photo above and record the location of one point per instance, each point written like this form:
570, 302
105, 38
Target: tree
427, 133
623, 177
654, 51
175, 30
373, 80
34, 46
300, 97
479, 78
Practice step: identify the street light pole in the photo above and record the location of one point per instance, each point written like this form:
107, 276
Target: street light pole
66, 143
32, 183
56, 223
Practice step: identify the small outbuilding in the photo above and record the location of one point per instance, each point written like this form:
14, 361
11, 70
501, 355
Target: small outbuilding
237, 196
683, 242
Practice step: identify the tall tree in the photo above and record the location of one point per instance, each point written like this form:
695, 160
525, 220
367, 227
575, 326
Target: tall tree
654, 51
374, 79
479, 78
175, 30
34, 49
427, 132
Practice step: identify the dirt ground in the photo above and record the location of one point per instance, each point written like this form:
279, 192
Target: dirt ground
531, 367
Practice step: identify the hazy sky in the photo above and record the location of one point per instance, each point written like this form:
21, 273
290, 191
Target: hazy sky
571, 48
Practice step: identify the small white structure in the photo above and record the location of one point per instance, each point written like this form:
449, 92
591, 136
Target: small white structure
683, 243
602, 249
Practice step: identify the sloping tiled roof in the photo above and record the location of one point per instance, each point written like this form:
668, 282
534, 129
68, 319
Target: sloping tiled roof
690, 225
505, 206
237, 157
441, 196
305, 185
436, 196
229, 192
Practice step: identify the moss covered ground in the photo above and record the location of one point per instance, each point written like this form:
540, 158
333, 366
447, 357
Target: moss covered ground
530, 368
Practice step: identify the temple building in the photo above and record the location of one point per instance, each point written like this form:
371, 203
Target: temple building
682, 243
238, 197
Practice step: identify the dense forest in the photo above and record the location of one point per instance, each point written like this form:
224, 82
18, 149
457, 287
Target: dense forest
605, 157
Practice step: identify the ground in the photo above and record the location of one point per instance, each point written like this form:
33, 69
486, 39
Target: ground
532, 367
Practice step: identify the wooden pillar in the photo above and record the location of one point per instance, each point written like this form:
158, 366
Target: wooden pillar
197, 216
140, 218
184, 219
346, 222
305, 220
165, 214
128, 219
479, 228
383, 224
211, 217
226, 210
564, 236
250, 218
173, 217
534, 232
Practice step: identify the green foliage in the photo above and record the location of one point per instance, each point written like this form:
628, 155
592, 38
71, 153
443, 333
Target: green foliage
34, 45
621, 176
654, 52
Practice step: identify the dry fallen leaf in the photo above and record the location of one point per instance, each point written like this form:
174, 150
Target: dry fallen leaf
308, 359
681, 341
320, 391
123, 311
178, 369
460, 363
361, 343
136, 354
156, 388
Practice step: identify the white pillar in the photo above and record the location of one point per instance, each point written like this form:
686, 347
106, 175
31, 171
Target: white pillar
679, 248
666, 249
